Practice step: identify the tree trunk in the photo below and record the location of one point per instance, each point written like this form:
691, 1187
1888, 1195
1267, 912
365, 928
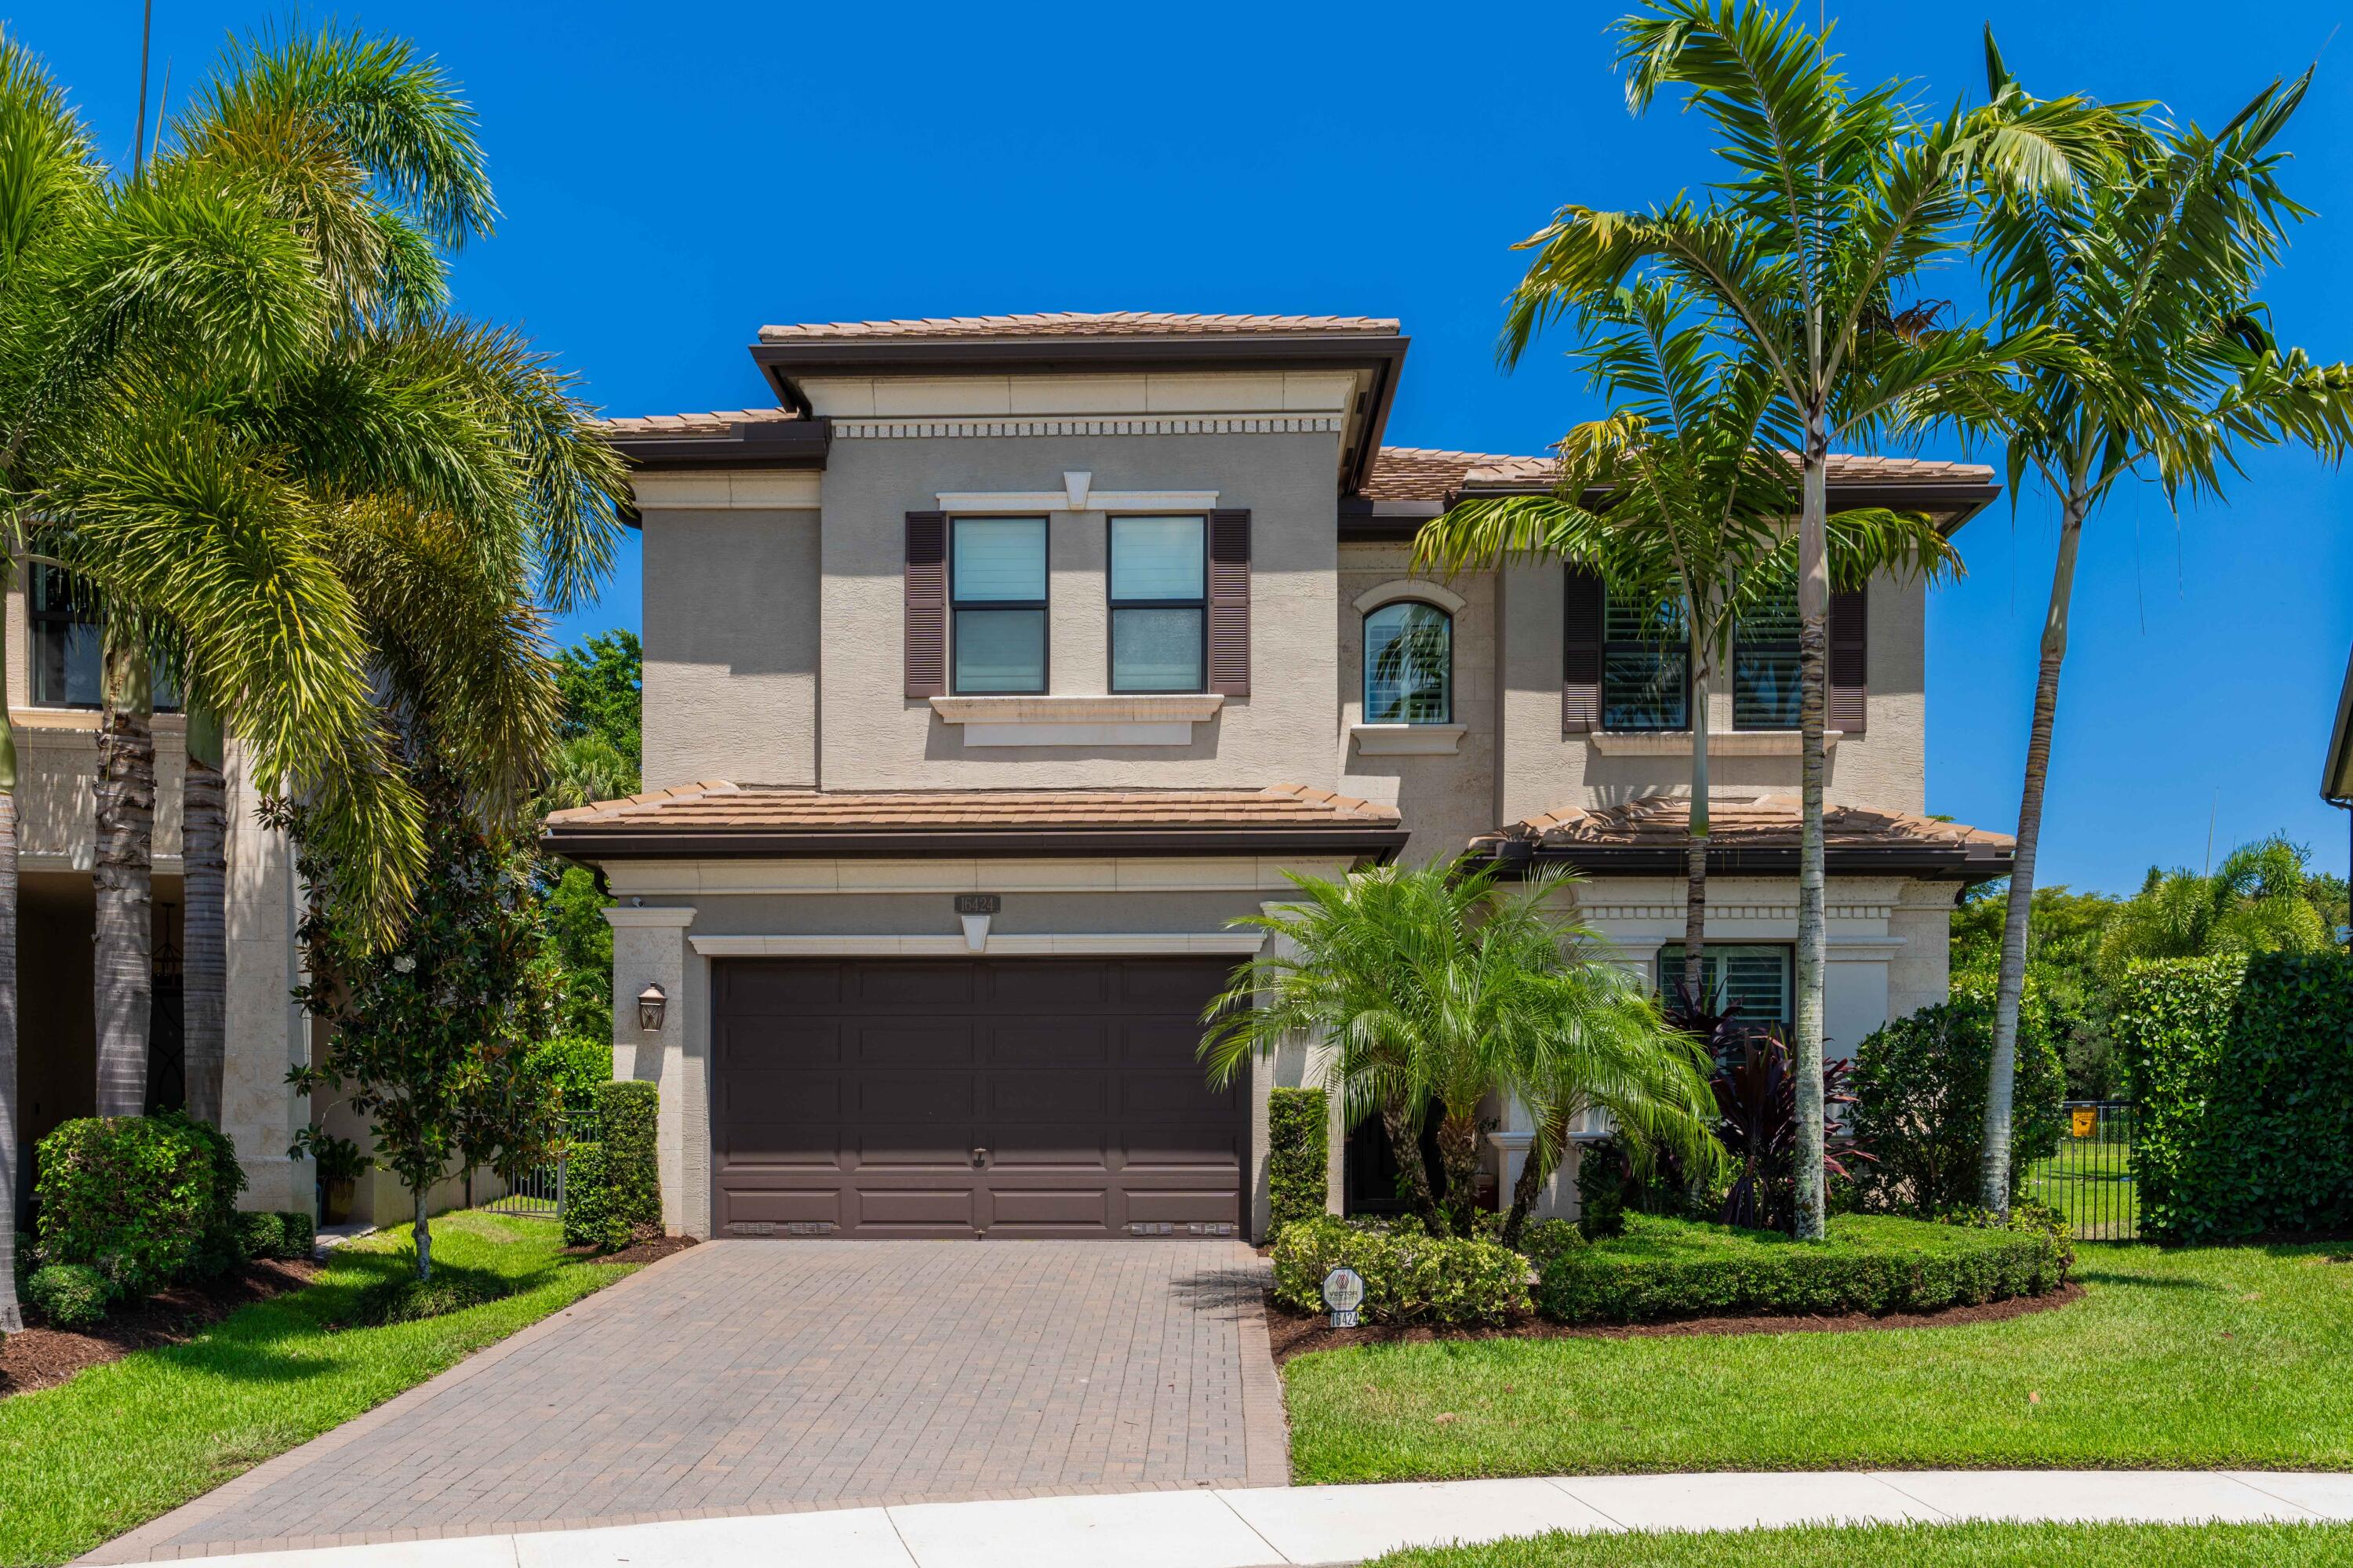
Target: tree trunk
204, 834
123, 961
1458, 1156
1813, 671
1546, 1152
1695, 872
11, 1319
424, 1234
1404, 1130
2003, 1073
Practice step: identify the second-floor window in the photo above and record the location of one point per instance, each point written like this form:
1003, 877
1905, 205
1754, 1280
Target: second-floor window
68, 638
1764, 688
1645, 666
997, 575
1408, 664
1159, 603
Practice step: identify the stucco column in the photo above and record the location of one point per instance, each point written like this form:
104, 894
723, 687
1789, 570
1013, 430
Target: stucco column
649, 948
264, 1031
1306, 1062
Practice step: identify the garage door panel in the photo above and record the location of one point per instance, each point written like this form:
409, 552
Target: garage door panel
1078, 1077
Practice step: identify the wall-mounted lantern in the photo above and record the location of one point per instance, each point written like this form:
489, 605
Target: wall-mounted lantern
650, 1003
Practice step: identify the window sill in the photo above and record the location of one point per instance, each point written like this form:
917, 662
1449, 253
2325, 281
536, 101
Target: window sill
1720, 743
1112, 719
1407, 739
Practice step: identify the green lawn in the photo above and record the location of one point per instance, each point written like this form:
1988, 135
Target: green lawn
122, 1443
1916, 1546
2197, 1358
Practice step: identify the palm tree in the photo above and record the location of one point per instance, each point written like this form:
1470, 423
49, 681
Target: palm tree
2259, 900
1676, 499
1836, 198
2149, 266
11, 1317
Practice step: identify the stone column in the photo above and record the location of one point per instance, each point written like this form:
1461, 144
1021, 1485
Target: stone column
264, 1031
649, 948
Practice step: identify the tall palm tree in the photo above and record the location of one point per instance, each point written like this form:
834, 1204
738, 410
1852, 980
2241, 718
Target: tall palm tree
2259, 900
2151, 265
1835, 200
1675, 498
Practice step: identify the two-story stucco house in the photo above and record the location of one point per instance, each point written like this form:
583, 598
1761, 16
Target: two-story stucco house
993, 671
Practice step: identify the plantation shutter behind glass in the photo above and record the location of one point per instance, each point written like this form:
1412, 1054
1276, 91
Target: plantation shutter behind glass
1580, 651
927, 604
1229, 602
1850, 651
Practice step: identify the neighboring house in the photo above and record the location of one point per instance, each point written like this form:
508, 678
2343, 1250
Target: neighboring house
999, 667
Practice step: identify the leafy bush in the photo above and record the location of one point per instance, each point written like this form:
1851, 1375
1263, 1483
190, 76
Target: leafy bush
625, 1115
2026, 1217
588, 1216
405, 1298
1666, 1268
1919, 1088
581, 1066
1601, 1189
1544, 1240
1410, 1276
1296, 1131
144, 1200
2243, 1069
333, 1158
1757, 1106
69, 1295
289, 1234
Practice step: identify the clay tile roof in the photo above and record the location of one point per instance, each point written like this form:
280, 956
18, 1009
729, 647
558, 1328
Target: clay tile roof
1079, 324
718, 806
686, 425
1736, 823
1420, 473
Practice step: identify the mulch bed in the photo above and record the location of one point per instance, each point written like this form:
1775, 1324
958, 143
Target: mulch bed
644, 1251
43, 1358
1298, 1333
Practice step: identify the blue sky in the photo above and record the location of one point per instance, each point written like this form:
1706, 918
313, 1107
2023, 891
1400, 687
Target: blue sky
674, 177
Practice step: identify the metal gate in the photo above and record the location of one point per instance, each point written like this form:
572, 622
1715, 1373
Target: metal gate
2090, 1179
540, 1194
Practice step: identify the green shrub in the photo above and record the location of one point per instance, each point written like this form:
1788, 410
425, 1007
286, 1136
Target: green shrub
145, 1201
582, 1065
1541, 1241
1919, 1085
2026, 1217
69, 1295
1871, 1263
588, 1216
2243, 1072
1296, 1131
405, 1298
287, 1235
1409, 1276
624, 1117
1602, 1183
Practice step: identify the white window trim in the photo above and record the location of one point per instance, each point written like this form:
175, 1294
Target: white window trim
1407, 739
1110, 718
1720, 742
1389, 592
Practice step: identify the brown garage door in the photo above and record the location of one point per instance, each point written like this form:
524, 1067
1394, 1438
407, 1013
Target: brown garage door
1000, 1097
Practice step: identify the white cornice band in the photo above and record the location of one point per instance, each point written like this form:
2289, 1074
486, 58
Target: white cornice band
1118, 425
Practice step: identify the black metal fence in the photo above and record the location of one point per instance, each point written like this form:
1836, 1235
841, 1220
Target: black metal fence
2090, 1179
540, 1194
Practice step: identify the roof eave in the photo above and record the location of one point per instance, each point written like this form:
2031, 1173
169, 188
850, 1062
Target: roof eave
610, 842
1972, 864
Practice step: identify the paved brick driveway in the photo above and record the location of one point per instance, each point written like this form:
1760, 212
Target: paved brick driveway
757, 1377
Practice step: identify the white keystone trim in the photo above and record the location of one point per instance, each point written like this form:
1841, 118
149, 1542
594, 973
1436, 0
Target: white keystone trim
625, 914
1134, 425
1397, 588
806, 945
1075, 498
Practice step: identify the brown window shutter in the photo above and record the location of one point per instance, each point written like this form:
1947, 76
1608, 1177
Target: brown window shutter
1850, 639
927, 604
1229, 602
1580, 651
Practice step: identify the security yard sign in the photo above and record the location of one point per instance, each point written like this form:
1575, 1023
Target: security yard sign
1343, 1292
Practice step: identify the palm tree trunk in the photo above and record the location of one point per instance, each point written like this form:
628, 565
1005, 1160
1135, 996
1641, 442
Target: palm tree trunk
123, 988
1458, 1156
1546, 1150
11, 1319
1994, 1162
1404, 1130
1695, 874
1813, 671
204, 834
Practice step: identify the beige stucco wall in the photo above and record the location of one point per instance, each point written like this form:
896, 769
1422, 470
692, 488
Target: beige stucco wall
731, 645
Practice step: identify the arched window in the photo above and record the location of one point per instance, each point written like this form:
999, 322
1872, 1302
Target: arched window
1408, 664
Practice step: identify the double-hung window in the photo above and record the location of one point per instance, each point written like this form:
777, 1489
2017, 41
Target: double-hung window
1645, 666
1159, 603
997, 575
1765, 687
68, 635
1408, 664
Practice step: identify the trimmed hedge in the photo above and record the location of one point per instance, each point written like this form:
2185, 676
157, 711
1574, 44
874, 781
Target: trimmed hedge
1409, 1276
144, 1200
588, 1218
1297, 1149
626, 1115
2243, 1072
69, 1295
1919, 1084
1871, 1263
288, 1234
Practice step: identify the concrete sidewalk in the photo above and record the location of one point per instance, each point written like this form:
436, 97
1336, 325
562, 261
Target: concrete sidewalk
1283, 1527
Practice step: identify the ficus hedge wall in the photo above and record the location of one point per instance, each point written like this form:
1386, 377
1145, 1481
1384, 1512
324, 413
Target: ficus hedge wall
1297, 1147
2244, 1071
